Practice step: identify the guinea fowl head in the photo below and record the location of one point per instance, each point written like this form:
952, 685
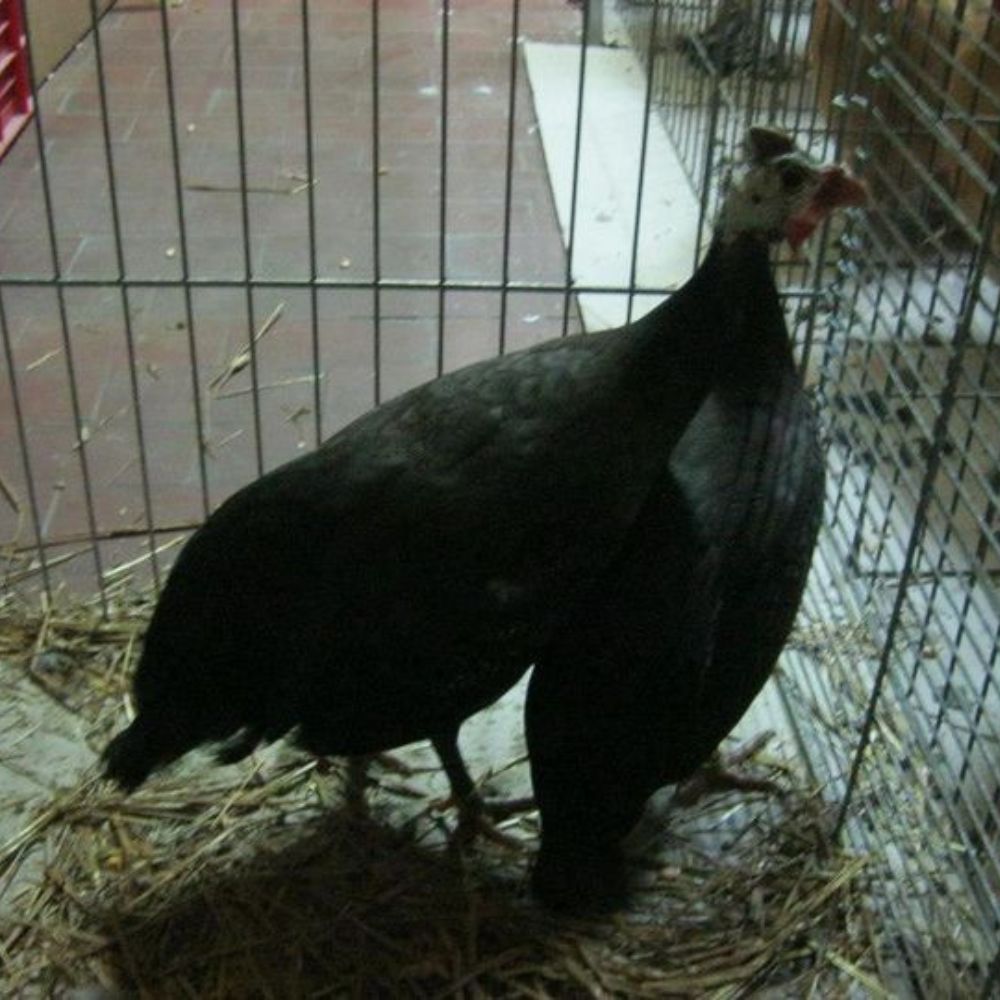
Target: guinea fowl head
782, 193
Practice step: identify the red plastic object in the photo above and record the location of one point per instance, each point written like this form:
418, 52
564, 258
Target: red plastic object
15, 87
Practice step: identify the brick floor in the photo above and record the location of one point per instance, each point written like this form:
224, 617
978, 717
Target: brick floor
150, 390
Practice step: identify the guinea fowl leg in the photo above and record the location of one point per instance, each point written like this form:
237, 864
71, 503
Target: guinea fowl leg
357, 781
356, 784
720, 774
475, 814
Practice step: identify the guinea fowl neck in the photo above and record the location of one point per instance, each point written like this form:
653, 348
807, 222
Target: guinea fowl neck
724, 324
756, 338
744, 271
759, 349
721, 307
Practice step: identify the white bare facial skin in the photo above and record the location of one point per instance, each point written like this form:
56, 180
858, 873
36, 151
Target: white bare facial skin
767, 195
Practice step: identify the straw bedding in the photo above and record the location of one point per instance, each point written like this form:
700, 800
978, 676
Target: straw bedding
258, 880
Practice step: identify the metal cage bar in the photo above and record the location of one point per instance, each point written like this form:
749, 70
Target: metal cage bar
443, 181
57, 271
307, 108
248, 268
508, 187
185, 280
109, 165
376, 207
575, 184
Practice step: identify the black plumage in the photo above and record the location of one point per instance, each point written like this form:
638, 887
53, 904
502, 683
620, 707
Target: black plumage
663, 659
404, 575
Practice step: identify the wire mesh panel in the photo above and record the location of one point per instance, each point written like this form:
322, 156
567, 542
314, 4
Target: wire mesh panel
892, 672
912, 390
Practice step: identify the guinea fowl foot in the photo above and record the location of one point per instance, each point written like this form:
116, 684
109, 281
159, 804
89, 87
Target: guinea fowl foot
476, 816
357, 781
720, 774
390, 762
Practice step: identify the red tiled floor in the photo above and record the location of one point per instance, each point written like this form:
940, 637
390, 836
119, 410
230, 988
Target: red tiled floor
160, 370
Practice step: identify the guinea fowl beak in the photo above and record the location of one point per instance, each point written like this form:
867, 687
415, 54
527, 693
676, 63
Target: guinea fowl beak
838, 188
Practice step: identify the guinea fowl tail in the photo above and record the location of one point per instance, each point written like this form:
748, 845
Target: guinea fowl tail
134, 754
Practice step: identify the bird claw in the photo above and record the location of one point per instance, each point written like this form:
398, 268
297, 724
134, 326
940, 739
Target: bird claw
478, 817
477, 824
720, 774
357, 780
393, 763
498, 809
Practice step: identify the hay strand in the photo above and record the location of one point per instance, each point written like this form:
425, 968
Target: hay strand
243, 358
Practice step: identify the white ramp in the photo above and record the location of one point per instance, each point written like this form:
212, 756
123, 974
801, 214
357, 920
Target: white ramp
607, 187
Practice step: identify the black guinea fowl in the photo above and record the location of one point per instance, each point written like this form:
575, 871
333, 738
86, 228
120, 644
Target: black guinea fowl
404, 575
678, 637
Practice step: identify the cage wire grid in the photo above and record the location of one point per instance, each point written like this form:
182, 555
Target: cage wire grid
889, 678
899, 344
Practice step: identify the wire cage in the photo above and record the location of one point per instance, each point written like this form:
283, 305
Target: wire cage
892, 669
216, 248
